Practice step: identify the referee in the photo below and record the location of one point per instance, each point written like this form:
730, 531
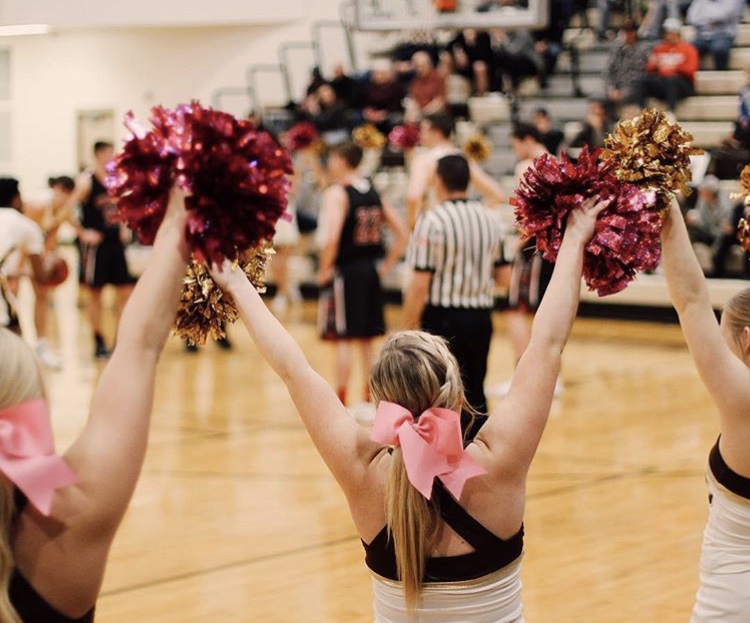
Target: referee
453, 251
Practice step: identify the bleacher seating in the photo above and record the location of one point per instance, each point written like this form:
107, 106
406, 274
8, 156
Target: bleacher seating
708, 116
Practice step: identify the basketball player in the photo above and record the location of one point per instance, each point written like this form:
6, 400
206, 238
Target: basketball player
102, 242
351, 303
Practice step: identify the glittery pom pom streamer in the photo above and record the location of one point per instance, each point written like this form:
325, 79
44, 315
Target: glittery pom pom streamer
204, 308
626, 239
652, 153
404, 137
367, 136
302, 135
478, 148
237, 177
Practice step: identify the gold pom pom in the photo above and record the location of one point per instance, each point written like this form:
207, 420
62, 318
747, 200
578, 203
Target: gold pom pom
743, 234
204, 308
651, 152
744, 186
478, 148
367, 136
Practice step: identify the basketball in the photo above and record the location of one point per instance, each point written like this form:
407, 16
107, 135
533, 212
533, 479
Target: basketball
55, 270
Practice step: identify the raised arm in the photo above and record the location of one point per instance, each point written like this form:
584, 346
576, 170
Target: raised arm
109, 452
64, 555
422, 173
343, 444
513, 432
485, 185
725, 376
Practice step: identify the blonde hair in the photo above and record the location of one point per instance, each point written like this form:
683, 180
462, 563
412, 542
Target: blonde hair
737, 313
20, 380
417, 371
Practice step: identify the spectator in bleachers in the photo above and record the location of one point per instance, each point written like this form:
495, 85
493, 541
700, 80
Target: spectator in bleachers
471, 56
729, 241
316, 80
670, 69
345, 87
549, 41
741, 135
382, 97
515, 58
626, 67
329, 115
596, 126
605, 8
427, 91
706, 222
551, 137
716, 23
658, 12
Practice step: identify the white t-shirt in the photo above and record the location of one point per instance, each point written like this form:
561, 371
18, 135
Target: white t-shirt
19, 236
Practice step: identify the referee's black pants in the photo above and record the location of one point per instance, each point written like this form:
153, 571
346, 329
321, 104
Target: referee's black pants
468, 332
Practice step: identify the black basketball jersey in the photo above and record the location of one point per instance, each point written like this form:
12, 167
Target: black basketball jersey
100, 211
362, 234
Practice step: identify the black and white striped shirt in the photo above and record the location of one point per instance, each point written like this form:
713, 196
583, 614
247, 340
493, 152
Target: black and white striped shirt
458, 241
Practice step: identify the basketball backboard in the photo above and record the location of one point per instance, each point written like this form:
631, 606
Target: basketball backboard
419, 14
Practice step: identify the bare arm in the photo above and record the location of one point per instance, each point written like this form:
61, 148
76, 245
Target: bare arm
401, 237
513, 432
66, 213
334, 209
343, 444
415, 299
724, 374
490, 190
422, 171
109, 453
64, 555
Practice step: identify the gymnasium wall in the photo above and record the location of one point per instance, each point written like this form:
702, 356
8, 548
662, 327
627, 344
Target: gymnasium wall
54, 76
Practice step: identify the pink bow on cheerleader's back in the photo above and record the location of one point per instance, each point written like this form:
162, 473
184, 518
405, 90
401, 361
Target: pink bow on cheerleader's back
431, 446
27, 453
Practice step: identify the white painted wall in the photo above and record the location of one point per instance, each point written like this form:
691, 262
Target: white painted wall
147, 12
54, 76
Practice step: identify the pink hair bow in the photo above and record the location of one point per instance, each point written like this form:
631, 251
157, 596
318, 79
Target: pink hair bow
432, 446
27, 453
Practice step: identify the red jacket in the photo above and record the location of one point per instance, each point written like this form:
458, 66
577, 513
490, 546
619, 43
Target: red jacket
679, 59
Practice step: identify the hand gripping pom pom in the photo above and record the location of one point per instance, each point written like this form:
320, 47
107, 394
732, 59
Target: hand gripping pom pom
204, 307
478, 148
237, 176
627, 236
404, 137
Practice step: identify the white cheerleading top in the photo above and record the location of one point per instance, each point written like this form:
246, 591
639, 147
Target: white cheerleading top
494, 598
724, 592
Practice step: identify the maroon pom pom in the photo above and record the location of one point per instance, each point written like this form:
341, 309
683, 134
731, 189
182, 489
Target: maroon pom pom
237, 176
627, 236
404, 137
302, 135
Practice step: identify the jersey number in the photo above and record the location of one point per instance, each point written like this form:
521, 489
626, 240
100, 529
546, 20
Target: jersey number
367, 229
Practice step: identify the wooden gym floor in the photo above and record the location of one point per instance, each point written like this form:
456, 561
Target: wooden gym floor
236, 519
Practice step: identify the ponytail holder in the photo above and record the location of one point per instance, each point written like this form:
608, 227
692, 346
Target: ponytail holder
431, 446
